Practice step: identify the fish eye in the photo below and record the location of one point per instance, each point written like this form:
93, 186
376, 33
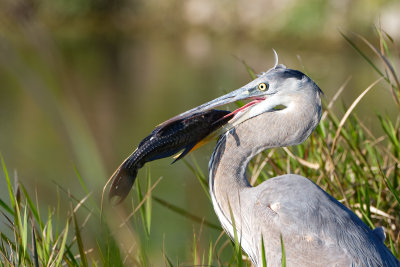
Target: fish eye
263, 86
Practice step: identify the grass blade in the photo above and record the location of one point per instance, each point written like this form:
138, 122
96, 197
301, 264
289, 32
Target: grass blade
148, 203
6, 207
62, 247
210, 253
186, 214
200, 176
263, 256
143, 208
25, 231
10, 190
362, 54
34, 248
348, 112
390, 131
283, 253
238, 249
195, 260
79, 241
32, 207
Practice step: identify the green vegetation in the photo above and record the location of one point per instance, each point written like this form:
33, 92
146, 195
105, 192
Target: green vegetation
343, 156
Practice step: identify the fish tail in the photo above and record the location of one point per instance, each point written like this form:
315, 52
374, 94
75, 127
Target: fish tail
123, 180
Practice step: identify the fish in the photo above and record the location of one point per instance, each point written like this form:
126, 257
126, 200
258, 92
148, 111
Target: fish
184, 135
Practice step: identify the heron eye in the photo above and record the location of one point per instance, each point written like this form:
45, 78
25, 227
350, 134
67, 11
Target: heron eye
263, 86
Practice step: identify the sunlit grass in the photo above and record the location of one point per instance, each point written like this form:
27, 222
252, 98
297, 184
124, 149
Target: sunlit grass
343, 156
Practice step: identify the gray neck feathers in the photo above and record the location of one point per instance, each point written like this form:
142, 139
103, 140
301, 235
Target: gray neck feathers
238, 146
234, 150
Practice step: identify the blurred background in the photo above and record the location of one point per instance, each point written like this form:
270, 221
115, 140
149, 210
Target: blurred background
83, 81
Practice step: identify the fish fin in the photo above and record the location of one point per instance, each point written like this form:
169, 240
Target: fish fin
204, 141
166, 127
192, 147
184, 152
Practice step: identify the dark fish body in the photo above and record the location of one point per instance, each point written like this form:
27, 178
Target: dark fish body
166, 140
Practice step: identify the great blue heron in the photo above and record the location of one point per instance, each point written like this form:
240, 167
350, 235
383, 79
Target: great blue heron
315, 228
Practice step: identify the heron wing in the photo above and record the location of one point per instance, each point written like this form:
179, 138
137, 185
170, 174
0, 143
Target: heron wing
315, 225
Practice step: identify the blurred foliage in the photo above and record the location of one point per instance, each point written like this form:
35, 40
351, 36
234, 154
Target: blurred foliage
82, 82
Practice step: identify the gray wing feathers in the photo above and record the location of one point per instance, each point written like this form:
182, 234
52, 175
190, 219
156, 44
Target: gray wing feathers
314, 224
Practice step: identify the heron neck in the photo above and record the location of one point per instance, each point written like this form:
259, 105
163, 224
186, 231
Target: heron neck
238, 146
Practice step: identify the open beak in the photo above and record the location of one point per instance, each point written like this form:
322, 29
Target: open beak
242, 93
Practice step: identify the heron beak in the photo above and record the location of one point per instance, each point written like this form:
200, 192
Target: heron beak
243, 93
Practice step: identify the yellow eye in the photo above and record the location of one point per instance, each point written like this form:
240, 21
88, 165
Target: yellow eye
263, 86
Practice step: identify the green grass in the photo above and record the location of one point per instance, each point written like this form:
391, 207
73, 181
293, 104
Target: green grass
343, 156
